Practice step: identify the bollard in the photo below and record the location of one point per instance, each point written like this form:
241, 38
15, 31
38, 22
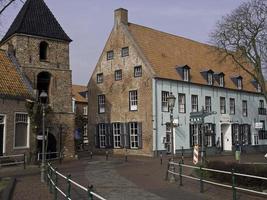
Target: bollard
90, 189
160, 158
201, 180
55, 182
106, 155
91, 155
69, 186
24, 161
233, 185
180, 173
167, 172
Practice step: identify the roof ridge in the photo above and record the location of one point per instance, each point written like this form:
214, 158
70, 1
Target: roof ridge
172, 34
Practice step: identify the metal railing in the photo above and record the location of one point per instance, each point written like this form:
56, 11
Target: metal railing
202, 180
49, 156
52, 181
13, 160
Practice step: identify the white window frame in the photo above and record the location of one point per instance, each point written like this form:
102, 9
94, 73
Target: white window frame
101, 103
210, 78
208, 138
208, 103
28, 131
133, 100
239, 83
222, 105
258, 88
182, 103
134, 136
99, 78
221, 81
195, 134
232, 106
194, 102
256, 139
164, 101
102, 135
116, 129
124, 51
118, 75
138, 71
4, 133
186, 74
244, 108
85, 110
110, 55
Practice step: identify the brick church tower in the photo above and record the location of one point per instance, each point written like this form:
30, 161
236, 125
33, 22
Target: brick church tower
41, 48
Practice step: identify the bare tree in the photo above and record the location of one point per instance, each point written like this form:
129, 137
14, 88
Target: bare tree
242, 36
4, 5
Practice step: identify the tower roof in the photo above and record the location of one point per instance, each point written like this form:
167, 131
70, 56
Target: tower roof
35, 18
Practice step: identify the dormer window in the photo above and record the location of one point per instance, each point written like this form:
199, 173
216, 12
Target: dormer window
210, 78
258, 88
221, 80
43, 50
239, 83
186, 74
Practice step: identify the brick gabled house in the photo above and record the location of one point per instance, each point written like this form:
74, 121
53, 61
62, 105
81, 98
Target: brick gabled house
138, 69
15, 135
41, 49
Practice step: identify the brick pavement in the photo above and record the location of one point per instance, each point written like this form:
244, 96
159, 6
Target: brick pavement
139, 178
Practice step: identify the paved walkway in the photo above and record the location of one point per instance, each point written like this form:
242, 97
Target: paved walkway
138, 179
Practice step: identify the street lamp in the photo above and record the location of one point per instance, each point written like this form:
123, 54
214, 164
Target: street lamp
171, 102
43, 98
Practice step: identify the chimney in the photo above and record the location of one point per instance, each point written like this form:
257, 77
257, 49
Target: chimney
120, 16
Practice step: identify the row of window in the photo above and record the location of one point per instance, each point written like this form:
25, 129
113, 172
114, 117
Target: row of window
208, 104
118, 74
124, 53
133, 102
119, 135
21, 133
241, 134
211, 77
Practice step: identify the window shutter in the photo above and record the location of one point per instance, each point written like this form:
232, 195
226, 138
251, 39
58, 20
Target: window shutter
122, 134
249, 134
213, 135
97, 142
190, 135
140, 140
127, 136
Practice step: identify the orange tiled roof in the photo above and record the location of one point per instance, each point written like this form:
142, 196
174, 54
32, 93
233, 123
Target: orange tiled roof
165, 52
76, 93
11, 81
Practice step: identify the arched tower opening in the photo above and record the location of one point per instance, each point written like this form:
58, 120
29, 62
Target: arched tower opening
43, 83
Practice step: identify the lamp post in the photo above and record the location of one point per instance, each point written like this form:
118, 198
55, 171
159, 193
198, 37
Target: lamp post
43, 97
171, 102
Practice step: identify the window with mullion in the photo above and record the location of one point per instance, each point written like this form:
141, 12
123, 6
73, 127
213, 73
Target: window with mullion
194, 101
210, 78
21, 130
102, 135
244, 108
117, 134
138, 71
134, 140
164, 101
133, 100
118, 75
222, 105
101, 103
99, 78
181, 102
110, 55
208, 103
125, 51
232, 106
221, 80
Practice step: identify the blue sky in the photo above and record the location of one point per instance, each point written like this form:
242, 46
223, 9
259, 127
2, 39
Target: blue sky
89, 22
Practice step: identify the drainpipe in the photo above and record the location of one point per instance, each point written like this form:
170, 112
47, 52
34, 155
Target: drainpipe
156, 116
